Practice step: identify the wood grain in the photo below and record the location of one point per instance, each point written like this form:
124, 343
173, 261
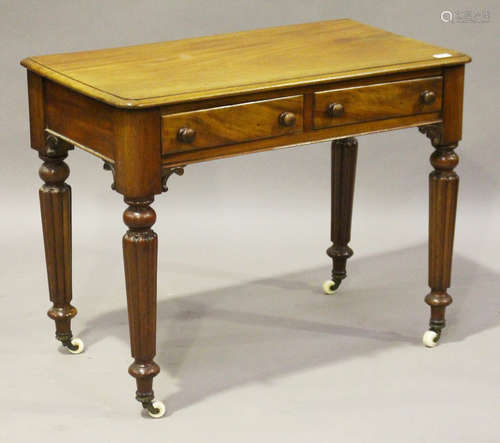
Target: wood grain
37, 111
305, 90
375, 102
227, 125
453, 104
80, 119
290, 140
232, 64
102, 130
137, 138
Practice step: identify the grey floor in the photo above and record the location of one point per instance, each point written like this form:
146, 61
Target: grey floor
250, 349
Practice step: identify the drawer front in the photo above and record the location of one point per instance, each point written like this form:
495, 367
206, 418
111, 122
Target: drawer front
376, 102
231, 124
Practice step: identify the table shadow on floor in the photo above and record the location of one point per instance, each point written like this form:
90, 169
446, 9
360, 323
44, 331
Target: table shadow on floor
215, 340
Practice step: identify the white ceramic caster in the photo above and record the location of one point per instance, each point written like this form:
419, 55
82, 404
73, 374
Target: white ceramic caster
79, 346
430, 338
159, 409
329, 287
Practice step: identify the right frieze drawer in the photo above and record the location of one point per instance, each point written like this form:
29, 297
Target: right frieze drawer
377, 102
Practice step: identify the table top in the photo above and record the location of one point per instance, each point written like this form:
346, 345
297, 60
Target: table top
244, 62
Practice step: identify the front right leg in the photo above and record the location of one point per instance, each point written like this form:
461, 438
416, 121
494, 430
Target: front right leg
140, 252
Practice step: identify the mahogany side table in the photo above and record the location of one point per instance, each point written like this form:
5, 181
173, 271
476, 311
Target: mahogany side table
148, 111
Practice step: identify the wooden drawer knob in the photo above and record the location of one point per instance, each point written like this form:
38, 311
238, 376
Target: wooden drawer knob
186, 135
335, 110
287, 119
428, 97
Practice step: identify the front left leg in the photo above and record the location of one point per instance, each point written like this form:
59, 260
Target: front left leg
140, 251
55, 206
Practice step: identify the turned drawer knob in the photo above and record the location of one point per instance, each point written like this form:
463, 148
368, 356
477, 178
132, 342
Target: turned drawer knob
428, 97
335, 110
186, 135
287, 119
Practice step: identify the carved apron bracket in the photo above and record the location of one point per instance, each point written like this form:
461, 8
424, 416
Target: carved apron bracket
433, 132
108, 166
167, 172
55, 146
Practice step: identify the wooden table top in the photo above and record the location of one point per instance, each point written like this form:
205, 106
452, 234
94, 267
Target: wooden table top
252, 61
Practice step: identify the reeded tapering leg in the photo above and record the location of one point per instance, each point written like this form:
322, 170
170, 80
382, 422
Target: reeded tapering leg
443, 191
55, 206
140, 246
344, 155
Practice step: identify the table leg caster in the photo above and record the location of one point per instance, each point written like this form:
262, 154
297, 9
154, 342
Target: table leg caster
431, 338
74, 345
155, 408
330, 286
